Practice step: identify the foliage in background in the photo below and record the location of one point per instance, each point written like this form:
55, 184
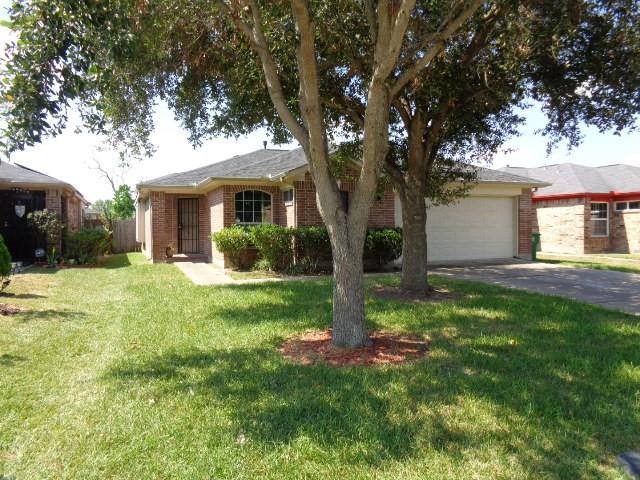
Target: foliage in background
312, 247
383, 245
123, 205
232, 241
47, 223
87, 245
105, 211
275, 246
5, 265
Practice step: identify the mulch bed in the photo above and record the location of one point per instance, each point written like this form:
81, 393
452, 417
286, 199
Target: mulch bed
8, 309
434, 295
310, 348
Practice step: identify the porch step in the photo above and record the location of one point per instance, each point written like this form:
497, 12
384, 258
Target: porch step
188, 257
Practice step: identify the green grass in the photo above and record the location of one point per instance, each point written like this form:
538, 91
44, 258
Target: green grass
627, 263
132, 372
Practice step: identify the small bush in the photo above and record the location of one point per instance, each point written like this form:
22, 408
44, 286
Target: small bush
232, 241
274, 245
312, 247
383, 245
5, 265
86, 246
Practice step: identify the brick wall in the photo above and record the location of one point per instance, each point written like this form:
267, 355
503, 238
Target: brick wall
525, 223
561, 224
625, 230
382, 212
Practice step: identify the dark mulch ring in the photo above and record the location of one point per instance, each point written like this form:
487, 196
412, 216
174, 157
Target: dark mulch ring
8, 309
387, 292
310, 348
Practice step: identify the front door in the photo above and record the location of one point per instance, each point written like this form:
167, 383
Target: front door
20, 238
188, 228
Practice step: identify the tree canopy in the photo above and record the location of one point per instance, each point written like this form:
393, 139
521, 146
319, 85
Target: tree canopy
421, 85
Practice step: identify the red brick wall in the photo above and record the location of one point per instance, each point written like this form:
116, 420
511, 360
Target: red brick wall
164, 224
525, 223
382, 212
278, 212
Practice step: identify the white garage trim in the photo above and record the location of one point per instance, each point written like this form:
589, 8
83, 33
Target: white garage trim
482, 226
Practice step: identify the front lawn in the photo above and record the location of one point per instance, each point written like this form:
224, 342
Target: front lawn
130, 371
628, 263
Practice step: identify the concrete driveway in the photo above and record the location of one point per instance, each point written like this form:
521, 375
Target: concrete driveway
615, 290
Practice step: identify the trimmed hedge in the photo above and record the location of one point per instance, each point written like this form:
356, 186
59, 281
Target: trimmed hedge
85, 246
232, 241
310, 246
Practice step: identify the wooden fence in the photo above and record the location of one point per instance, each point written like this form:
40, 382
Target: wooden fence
124, 236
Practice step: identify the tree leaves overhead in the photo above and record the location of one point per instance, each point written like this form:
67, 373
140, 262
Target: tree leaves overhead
115, 59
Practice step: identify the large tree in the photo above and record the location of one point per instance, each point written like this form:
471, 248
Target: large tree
307, 70
578, 60
112, 56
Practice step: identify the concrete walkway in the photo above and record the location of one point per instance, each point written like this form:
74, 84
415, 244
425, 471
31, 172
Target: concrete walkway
610, 289
204, 273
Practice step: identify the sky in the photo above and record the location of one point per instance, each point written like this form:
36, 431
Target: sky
71, 156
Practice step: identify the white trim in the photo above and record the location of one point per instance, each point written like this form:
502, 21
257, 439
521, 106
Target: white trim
627, 209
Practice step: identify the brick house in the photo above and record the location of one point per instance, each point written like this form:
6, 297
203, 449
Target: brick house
587, 209
176, 213
23, 190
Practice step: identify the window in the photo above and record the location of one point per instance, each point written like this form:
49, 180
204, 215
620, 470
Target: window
344, 196
253, 207
626, 206
600, 219
287, 196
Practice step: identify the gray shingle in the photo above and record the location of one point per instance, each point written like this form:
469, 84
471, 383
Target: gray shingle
567, 178
267, 164
257, 165
15, 173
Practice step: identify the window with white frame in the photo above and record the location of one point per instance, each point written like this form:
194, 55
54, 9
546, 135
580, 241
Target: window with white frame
633, 205
599, 219
253, 207
287, 196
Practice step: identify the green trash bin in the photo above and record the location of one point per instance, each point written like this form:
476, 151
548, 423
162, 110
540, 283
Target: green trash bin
535, 243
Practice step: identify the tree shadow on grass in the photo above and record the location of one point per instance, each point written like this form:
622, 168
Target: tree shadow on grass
23, 296
48, 315
7, 360
549, 383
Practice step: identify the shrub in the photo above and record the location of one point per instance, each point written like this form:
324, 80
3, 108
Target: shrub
86, 246
47, 223
274, 245
5, 265
312, 247
383, 245
232, 241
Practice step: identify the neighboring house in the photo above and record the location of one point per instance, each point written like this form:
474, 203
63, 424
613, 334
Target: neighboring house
587, 209
177, 212
23, 190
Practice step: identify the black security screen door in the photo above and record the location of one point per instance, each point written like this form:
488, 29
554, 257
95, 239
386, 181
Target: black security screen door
188, 225
15, 205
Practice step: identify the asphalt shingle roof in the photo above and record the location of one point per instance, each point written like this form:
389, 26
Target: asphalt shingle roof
261, 164
15, 173
567, 178
268, 163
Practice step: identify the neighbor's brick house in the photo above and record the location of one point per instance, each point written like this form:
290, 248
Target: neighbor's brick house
24, 190
178, 212
586, 209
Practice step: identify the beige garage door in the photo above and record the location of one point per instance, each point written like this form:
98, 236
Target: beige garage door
476, 228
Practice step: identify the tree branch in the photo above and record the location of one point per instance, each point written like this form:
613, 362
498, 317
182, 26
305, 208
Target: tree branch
437, 45
258, 41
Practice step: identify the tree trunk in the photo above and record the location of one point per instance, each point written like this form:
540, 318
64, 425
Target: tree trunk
349, 326
414, 241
